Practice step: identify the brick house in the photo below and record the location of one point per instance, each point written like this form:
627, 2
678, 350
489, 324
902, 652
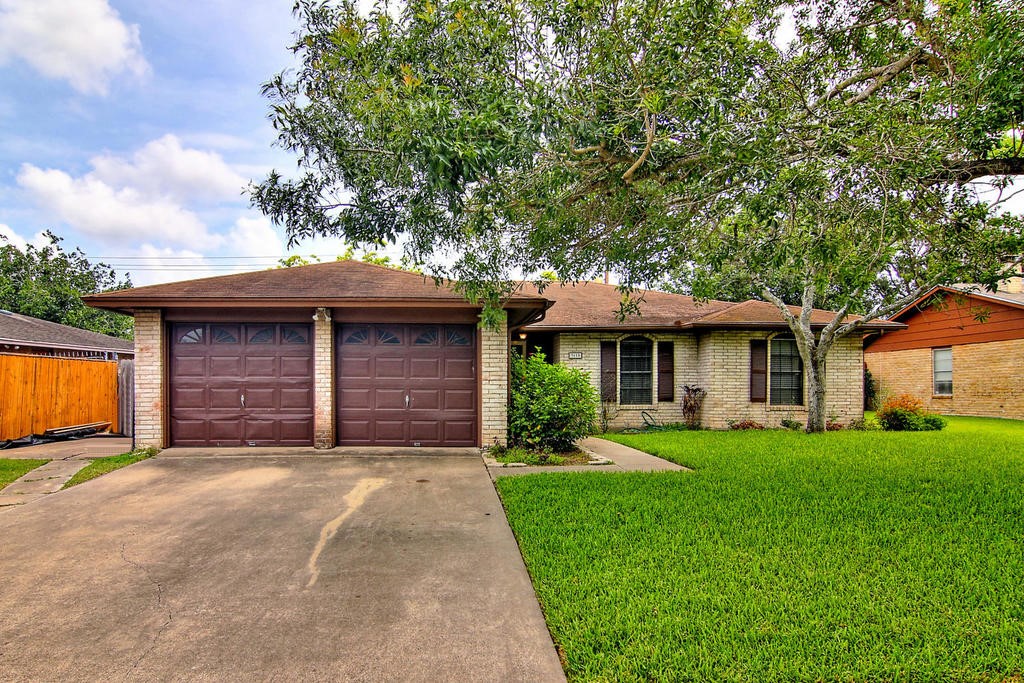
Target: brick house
962, 351
349, 353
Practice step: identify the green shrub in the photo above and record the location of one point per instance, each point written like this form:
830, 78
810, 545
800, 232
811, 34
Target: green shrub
906, 413
552, 405
792, 424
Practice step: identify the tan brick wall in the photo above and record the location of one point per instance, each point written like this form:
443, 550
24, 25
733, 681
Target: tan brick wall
720, 363
724, 361
619, 416
494, 384
150, 378
988, 378
323, 381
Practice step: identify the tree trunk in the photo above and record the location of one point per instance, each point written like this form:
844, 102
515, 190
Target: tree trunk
816, 393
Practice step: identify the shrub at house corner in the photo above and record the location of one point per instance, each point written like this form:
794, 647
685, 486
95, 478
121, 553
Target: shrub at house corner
552, 405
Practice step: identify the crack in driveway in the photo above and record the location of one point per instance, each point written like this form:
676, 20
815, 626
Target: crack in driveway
159, 604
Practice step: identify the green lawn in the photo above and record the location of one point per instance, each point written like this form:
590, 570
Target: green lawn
12, 469
846, 556
101, 466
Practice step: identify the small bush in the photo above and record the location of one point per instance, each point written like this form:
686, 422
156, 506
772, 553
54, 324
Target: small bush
691, 404
906, 413
794, 425
864, 426
744, 425
834, 426
552, 406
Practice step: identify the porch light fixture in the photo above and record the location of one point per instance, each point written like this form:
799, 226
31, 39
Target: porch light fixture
322, 314
522, 336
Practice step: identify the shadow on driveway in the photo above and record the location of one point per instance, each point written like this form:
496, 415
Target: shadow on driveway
290, 568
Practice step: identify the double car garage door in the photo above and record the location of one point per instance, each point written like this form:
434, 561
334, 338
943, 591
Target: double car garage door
252, 384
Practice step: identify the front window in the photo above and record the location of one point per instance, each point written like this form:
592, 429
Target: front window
635, 354
787, 373
942, 371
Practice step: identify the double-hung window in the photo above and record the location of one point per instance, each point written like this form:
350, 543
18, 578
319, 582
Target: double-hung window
787, 373
635, 371
942, 371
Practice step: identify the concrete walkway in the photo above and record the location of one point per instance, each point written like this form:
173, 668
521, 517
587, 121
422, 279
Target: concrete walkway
623, 459
66, 458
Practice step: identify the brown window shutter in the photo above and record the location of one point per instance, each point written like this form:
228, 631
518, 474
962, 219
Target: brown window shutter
666, 371
609, 371
758, 370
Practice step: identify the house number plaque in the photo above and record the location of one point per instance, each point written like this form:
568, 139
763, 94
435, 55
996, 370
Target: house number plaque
575, 355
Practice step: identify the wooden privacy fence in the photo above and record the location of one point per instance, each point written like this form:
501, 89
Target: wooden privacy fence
39, 393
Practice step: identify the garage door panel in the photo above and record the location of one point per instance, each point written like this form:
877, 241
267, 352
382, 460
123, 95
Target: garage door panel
404, 384
213, 365
354, 368
355, 430
225, 429
390, 430
189, 366
460, 432
225, 366
296, 398
189, 397
261, 367
425, 431
424, 368
459, 399
424, 399
296, 367
458, 368
389, 367
261, 398
384, 399
225, 398
355, 398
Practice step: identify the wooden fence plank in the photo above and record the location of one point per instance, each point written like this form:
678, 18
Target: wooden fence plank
39, 393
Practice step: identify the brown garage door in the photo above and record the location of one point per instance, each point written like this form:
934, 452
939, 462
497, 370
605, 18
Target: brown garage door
406, 385
237, 384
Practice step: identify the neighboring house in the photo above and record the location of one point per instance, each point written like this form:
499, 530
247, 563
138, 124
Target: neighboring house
24, 335
349, 353
962, 351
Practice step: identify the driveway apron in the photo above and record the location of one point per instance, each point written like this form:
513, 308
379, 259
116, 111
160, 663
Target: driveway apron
271, 568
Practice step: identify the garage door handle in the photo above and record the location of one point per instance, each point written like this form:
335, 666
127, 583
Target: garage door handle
407, 400
243, 400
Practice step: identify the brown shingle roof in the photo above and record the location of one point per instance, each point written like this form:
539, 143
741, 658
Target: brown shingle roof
319, 284
24, 330
596, 305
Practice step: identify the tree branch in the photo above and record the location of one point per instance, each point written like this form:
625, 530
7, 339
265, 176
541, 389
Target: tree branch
649, 124
966, 171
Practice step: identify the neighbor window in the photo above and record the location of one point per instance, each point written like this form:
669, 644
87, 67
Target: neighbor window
787, 373
636, 366
942, 371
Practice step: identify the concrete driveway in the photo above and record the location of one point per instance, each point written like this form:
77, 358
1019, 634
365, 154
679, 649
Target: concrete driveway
291, 568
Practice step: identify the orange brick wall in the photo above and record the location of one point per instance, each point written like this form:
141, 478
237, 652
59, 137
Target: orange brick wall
988, 378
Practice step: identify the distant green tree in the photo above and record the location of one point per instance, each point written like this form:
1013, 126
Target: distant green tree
48, 282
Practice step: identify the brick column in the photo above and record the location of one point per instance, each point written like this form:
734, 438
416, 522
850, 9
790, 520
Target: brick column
150, 378
323, 380
494, 384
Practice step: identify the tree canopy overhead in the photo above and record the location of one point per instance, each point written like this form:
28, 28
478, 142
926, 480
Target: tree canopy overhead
692, 141
48, 282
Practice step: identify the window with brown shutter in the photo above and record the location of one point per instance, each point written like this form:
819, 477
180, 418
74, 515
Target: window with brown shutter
758, 370
609, 371
666, 371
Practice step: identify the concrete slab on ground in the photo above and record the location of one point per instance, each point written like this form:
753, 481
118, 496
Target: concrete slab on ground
623, 459
98, 446
288, 568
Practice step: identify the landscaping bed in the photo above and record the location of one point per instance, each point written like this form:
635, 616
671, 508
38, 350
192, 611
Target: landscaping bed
787, 556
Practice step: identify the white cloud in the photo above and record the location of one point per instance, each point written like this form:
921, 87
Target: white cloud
163, 168
8, 236
111, 214
254, 236
83, 42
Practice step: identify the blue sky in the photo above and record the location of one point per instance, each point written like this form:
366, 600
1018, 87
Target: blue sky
130, 128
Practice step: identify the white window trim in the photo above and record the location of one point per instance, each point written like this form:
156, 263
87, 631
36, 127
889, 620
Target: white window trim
935, 393
803, 377
654, 372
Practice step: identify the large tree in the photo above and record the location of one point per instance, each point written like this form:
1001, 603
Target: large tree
663, 139
48, 282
